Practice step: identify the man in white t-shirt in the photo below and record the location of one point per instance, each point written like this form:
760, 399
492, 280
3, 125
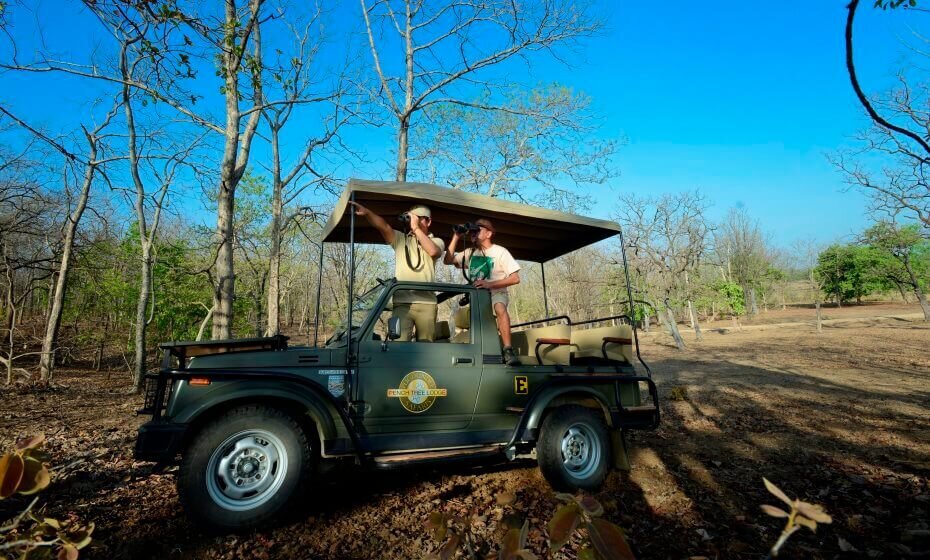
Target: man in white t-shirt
491, 267
415, 255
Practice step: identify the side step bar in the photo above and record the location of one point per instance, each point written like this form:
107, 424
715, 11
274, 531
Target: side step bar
425, 457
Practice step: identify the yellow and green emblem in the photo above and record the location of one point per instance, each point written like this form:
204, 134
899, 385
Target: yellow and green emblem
417, 392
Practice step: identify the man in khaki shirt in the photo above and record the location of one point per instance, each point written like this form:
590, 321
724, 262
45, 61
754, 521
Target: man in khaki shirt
415, 255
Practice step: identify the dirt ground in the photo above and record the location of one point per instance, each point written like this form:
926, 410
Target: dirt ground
840, 418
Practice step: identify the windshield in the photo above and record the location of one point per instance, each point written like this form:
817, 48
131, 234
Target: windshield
361, 308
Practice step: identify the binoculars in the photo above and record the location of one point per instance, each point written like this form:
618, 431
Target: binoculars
465, 228
405, 217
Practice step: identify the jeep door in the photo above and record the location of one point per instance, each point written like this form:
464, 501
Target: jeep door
418, 386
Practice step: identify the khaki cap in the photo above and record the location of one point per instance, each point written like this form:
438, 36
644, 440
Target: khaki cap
421, 211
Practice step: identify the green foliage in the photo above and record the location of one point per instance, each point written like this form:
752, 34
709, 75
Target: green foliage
849, 271
24, 470
893, 4
902, 255
730, 297
889, 257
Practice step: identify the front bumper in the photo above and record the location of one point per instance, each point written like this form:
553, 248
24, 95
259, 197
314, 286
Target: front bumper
159, 441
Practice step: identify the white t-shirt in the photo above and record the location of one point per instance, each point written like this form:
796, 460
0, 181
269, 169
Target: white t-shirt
420, 269
493, 263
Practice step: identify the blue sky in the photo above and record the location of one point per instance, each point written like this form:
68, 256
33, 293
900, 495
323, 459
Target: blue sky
741, 100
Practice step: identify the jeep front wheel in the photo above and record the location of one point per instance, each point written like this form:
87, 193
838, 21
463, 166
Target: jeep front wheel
573, 450
244, 468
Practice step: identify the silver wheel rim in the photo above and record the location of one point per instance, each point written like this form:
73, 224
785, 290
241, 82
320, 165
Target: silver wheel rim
246, 470
581, 450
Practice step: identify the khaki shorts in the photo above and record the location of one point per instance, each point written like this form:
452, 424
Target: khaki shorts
419, 315
499, 297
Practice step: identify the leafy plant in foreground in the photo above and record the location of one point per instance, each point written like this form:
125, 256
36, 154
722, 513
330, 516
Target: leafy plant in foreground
802, 514
603, 540
24, 470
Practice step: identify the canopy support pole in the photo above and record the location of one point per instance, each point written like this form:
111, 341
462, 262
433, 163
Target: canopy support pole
349, 355
319, 291
629, 294
545, 293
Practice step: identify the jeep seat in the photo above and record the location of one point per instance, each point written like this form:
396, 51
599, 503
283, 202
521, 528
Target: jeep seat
554, 345
612, 344
462, 320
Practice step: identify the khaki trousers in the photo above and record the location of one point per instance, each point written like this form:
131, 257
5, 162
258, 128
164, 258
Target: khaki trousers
419, 315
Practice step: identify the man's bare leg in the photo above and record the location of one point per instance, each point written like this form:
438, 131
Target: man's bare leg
503, 322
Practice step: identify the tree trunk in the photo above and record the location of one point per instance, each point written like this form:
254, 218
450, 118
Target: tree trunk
672, 326
819, 317
236, 148
203, 324
753, 307
694, 323
403, 132
142, 306
10, 325
902, 292
98, 359
50, 342
915, 283
225, 290
274, 261
51, 297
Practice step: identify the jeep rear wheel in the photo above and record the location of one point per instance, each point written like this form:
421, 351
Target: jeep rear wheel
245, 468
573, 450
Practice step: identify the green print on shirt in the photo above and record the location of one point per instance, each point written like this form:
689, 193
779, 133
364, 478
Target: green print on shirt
479, 267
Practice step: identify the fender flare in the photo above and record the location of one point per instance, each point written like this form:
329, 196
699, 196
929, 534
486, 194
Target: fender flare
251, 390
539, 405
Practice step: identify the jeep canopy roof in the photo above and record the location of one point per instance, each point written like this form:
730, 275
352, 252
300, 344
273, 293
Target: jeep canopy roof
530, 233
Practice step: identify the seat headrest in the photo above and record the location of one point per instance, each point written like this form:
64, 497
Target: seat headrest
463, 318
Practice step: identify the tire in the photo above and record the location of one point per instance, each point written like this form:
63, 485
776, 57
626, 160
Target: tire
245, 468
573, 450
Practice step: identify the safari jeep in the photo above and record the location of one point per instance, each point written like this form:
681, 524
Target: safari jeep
253, 421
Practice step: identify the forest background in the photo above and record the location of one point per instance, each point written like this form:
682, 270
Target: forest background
166, 167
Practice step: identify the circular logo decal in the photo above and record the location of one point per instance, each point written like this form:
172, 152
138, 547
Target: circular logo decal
417, 392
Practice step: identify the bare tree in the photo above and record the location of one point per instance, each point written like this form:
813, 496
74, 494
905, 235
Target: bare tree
545, 138
92, 163
434, 48
667, 238
27, 213
899, 135
807, 251
233, 42
300, 85
740, 241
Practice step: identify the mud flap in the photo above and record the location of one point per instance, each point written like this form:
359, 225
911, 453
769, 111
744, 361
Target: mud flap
618, 446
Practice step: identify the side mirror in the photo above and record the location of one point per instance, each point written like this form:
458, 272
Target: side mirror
393, 328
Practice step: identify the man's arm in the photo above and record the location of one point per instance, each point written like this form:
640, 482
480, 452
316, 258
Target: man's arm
423, 239
449, 257
387, 232
510, 280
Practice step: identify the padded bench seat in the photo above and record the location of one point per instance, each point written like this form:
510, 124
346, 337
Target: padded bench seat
553, 348
603, 343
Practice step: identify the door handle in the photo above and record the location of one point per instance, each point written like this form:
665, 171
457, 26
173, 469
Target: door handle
458, 360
